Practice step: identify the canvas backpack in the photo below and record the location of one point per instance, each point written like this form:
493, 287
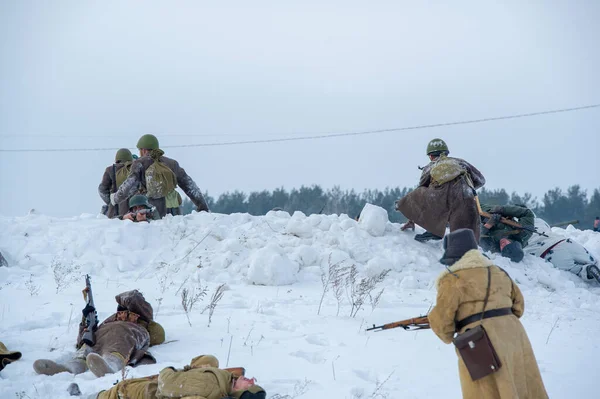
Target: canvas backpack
445, 169
123, 173
160, 180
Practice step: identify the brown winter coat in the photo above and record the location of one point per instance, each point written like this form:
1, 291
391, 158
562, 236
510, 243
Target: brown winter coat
137, 177
127, 338
433, 206
107, 187
460, 295
195, 381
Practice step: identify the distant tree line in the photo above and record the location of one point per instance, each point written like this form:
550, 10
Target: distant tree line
556, 206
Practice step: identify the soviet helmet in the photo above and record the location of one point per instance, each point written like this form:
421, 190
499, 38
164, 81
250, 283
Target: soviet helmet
436, 145
148, 142
123, 155
139, 200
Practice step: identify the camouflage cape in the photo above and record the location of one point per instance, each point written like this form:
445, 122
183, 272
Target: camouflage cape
433, 206
137, 177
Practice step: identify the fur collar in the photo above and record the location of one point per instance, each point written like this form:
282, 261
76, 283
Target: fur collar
471, 260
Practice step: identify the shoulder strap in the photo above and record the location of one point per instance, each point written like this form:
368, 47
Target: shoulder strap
487, 293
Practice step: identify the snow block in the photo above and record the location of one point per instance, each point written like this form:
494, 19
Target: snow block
373, 219
269, 266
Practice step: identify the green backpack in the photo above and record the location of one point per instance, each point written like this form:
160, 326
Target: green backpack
160, 180
123, 173
445, 170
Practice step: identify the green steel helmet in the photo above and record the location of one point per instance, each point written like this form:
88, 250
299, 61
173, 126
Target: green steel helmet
139, 200
148, 142
436, 145
123, 155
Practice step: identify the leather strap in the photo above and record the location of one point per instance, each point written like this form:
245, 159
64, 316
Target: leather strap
483, 315
487, 292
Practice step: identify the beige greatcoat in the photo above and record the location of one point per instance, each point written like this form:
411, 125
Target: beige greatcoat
461, 294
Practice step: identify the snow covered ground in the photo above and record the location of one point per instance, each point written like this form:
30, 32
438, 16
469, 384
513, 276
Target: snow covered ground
267, 320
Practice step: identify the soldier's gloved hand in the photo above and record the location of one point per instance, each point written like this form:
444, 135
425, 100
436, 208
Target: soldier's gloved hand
491, 222
112, 199
497, 209
87, 310
408, 225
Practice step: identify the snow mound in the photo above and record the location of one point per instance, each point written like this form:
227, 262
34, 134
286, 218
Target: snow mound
275, 315
269, 266
373, 219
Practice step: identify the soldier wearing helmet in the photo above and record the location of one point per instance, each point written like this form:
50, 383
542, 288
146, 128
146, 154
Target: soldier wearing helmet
158, 177
140, 210
445, 195
113, 177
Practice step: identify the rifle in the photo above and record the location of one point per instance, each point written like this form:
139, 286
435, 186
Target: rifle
90, 315
115, 188
564, 223
417, 323
144, 211
506, 221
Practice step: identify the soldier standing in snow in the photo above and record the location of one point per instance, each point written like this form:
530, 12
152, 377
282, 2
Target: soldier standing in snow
446, 195
113, 177
122, 339
499, 237
473, 291
597, 223
159, 176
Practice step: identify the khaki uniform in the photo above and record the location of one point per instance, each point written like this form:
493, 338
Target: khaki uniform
461, 295
202, 379
7, 357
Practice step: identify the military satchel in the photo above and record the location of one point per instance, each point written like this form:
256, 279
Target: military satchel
475, 347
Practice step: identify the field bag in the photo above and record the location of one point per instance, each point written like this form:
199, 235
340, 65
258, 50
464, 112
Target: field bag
475, 347
160, 180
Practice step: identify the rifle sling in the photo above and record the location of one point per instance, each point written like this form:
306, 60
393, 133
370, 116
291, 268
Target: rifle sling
482, 315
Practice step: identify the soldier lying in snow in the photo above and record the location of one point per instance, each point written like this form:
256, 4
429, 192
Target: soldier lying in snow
7, 357
564, 253
499, 237
123, 338
202, 379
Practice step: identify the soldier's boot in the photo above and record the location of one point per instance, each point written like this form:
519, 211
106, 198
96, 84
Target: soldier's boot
426, 237
50, 367
106, 364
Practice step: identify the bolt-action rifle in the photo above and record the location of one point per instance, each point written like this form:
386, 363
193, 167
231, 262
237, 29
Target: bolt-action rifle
506, 221
90, 315
145, 211
417, 323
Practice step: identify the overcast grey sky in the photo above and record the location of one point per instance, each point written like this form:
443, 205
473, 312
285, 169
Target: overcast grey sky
82, 74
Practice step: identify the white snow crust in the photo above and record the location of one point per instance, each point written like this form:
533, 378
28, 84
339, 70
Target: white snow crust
272, 268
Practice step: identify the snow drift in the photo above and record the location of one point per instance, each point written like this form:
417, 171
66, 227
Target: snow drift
273, 267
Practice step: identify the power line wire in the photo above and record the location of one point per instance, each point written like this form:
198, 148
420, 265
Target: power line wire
325, 136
